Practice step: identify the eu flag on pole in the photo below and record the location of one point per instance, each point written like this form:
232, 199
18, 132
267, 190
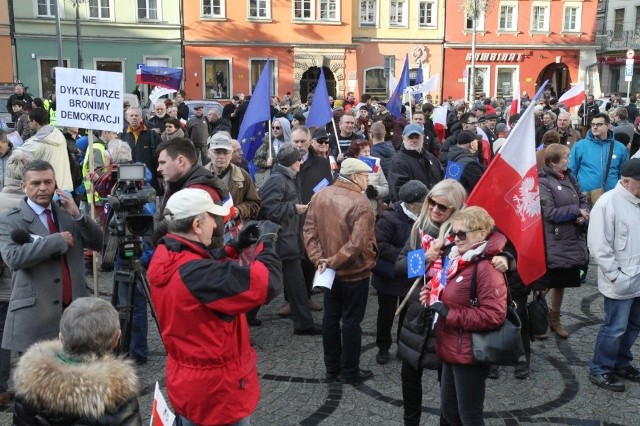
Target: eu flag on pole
320, 112
419, 79
395, 101
415, 263
454, 170
252, 129
160, 76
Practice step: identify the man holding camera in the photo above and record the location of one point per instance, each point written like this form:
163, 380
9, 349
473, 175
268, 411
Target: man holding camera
43, 243
211, 368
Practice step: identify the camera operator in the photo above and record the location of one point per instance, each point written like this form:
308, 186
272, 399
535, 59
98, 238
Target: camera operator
178, 164
211, 368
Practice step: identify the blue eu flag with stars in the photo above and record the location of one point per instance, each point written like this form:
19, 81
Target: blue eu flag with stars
454, 170
415, 263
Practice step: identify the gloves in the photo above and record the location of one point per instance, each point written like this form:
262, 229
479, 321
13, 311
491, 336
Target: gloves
371, 192
440, 308
247, 236
268, 231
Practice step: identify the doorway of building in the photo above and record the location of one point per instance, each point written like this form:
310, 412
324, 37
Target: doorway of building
309, 82
558, 76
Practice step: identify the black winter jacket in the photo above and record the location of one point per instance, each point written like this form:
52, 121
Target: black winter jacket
311, 173
472, 168
407, 165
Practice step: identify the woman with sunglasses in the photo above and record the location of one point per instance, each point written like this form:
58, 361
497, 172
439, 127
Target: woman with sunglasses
280, 134
430, 229
378, 187
462, 383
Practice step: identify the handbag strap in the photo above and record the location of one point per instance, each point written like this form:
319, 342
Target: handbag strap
606, 171
473, 297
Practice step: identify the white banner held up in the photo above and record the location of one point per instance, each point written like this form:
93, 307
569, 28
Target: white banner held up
428, 86
89, 99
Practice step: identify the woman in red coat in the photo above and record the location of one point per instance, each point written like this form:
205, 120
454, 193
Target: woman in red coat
462, 387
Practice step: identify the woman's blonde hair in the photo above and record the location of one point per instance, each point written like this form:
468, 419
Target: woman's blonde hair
453, 192
475, 218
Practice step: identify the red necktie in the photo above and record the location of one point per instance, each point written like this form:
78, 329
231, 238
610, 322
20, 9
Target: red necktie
66, 276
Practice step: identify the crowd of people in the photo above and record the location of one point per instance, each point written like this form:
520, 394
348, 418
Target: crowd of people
350, 203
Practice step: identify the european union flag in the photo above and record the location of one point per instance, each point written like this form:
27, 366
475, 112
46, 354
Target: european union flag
395, 101
252, 129
320, 112
454, 170
415, 263
160, 76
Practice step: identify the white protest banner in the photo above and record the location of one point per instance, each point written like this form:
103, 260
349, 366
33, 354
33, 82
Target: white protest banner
89, 99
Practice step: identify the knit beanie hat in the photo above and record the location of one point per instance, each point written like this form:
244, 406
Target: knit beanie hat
413, 191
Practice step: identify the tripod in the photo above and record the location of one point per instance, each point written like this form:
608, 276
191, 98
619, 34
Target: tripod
130, 272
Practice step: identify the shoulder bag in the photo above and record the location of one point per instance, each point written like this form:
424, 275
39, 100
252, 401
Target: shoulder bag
502, 346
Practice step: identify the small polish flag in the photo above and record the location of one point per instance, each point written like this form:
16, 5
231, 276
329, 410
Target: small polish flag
228, 202
574, 96
515, 103
440, 121
160, 414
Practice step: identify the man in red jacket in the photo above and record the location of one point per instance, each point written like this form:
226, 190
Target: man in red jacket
201, 296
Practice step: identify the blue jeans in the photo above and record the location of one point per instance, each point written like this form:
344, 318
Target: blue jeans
5, 354
138, 348
616, 336
346, 302
183, 421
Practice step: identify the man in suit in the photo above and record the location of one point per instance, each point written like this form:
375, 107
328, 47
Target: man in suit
43, 242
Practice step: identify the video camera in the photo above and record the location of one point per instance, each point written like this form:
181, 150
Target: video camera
127, 203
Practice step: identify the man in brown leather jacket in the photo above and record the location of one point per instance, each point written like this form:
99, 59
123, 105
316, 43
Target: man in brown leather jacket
338, 235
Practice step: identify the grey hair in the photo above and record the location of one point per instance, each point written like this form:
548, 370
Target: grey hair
183, 226
565, 114
89, 327
132, 108
16, 163
216, 108
303, 129
551, 114
120, 151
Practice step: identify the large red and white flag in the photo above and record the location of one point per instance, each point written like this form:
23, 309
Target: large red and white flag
440, 121
161, 415
573, 96
508, 190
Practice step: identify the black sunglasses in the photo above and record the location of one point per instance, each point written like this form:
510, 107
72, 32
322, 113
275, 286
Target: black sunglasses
441, 207
462, 235
276, 128
322, 141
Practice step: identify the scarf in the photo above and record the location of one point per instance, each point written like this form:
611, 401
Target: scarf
408, 212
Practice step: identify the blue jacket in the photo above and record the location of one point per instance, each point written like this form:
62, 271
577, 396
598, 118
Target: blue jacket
588, 161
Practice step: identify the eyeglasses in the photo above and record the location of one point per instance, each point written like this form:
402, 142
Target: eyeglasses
322, 141
598, 124
461, 235
441, 207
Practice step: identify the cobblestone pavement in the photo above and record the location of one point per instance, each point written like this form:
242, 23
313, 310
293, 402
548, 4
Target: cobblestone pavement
294, 390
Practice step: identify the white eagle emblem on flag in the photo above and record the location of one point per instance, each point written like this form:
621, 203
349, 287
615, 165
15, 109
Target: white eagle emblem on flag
524, 197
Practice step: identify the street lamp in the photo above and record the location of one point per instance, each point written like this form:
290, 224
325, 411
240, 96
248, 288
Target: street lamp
76, 4
473, 8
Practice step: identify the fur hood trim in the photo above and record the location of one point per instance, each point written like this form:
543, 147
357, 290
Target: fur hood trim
85, 389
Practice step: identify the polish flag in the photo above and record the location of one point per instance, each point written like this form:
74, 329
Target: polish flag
161, 415
508, 190
574, 96
228, 203
485, 146
515, 103
440, 121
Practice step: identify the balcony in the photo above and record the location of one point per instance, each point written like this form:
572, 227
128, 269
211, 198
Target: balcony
618, 40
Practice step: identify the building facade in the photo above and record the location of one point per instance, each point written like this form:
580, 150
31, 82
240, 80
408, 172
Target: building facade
7, 71
116, 35
619, 25
525, 42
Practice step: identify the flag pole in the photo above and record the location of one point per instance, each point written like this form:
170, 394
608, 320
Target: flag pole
270, 155
335, 132
94, 260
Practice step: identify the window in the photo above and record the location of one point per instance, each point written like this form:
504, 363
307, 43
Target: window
540, 18
375, 83
148, 10
259, 9
213, 8
45, 8
99, 9
505, 81
508, 17
637, 27
427, 13
256, 66
398, 13
47, 74
216, 77
572, 17
324, 10
479, 23
108, 65
618, 24
368, 13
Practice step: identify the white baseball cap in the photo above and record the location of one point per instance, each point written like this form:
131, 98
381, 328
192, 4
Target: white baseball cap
191, 202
